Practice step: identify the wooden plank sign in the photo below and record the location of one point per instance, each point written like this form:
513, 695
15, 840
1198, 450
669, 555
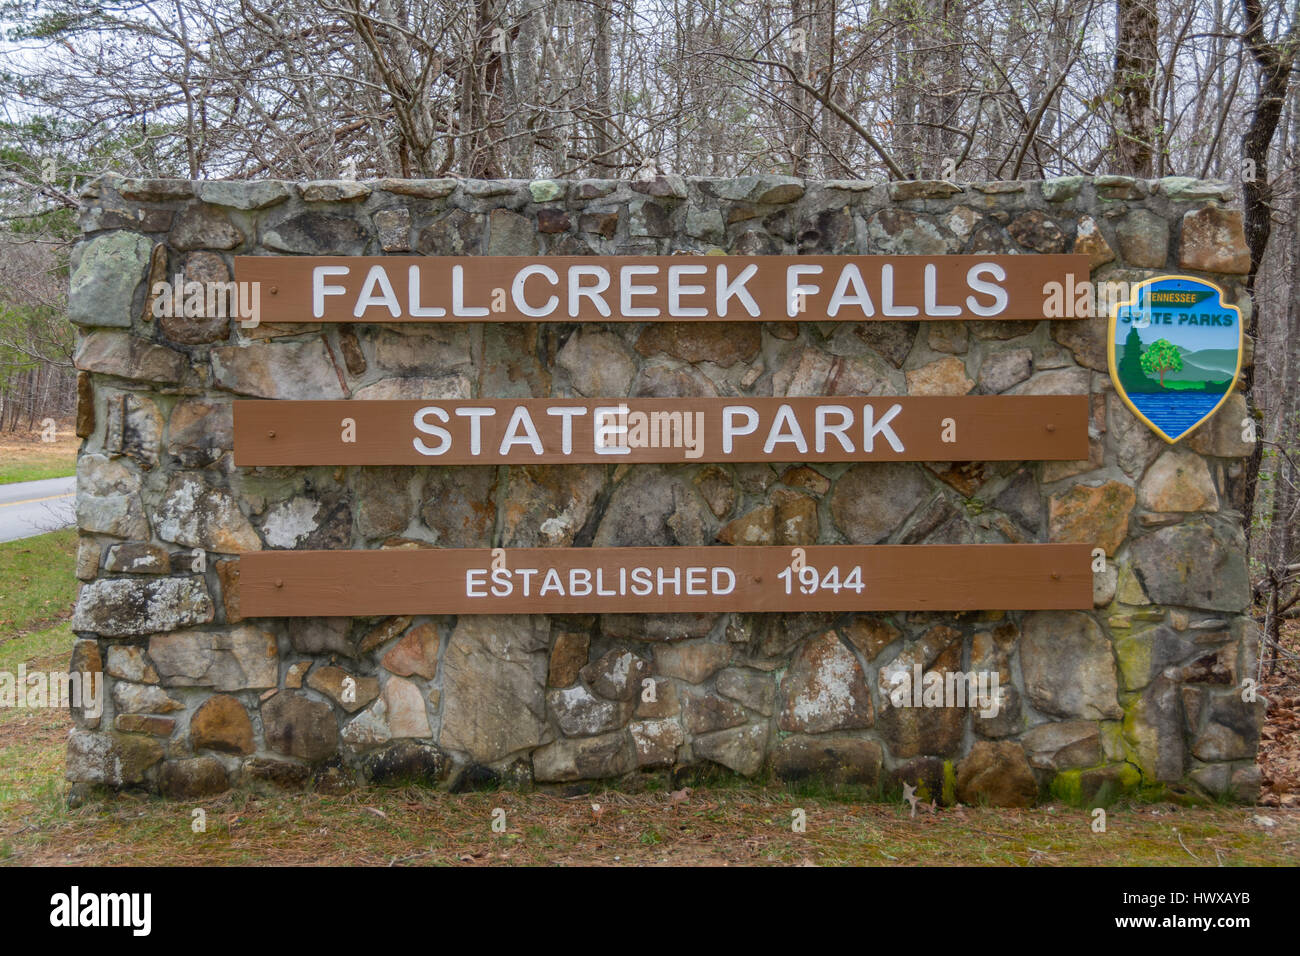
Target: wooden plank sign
559, 430
658, 288
665, 580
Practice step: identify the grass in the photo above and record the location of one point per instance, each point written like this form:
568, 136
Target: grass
721, 821
25, 457
727, 825
37, 586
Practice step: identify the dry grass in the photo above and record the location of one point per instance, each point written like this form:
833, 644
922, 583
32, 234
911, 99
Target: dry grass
25, 457
716, 826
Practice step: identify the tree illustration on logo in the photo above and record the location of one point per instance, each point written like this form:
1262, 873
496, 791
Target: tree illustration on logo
1130, 371
1160, 357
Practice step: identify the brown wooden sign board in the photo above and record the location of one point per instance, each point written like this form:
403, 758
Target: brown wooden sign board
665, 580
657, 288
578, 431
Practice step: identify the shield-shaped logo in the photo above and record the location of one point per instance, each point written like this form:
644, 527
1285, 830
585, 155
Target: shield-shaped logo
1175, 352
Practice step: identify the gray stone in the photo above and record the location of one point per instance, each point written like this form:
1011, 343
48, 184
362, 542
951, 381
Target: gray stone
493, 686
693, 662
1060, 746
112, 760
872, 499
826, 758
459, 506
1062, 188
546, 190
585, 758
738, 748
317, 234
121, 607
407, 762
127, 356
333, 190
394, 227
1143, 239
142, 699
510, 234
203, 227
133, 428
652, 507
754, 689
598, 363
128, 662
237, 658
1002, 370
284, 370
1193, 565
1153, 727
825, 689
581, 714
105, 276
704, 712
197, 515
616, 675
1068, 665
1232, 728
298, 727
321, 635
200, 432
656, 742
547, 505
244, 195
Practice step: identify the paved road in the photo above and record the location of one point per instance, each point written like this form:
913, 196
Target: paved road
35, 507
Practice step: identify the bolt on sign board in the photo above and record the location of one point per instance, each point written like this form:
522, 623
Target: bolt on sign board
659, 288
655, 580
559, 431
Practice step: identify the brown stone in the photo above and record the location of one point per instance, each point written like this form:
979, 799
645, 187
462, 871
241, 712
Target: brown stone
870, 635
1179, 480
144, 724
943, 377
722, 343
998, 774
382, 633
228, 574
1090, 242
85, 405
416, 653
716, 488
193, 778
568, 657
693, 662
552, 220
795, 518
221, 723
1095, 515
298, 727
333, 683
1033, 230
1214, 241
805, 478
756, 527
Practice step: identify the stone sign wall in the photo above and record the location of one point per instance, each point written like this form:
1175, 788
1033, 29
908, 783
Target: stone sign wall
1141, 690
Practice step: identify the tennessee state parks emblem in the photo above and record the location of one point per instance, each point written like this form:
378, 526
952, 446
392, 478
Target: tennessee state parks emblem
1175, 352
